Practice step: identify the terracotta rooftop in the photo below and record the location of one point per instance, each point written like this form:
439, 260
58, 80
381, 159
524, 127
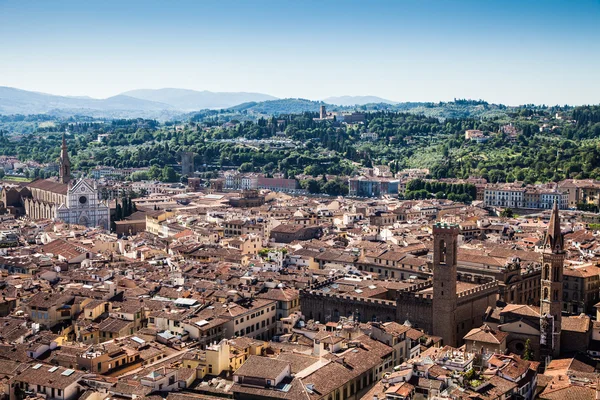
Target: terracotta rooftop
49, 185
262, 367
485, 334
57, 379
578, 323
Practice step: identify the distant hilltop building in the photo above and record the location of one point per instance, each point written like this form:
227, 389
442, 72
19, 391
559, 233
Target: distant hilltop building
475, 135
352, 118
369, 136
323, 116
346, 117
382, 171
413, 173
322, 112
510, 130
62, 199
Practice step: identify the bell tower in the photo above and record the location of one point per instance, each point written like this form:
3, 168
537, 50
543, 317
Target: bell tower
552, 287
445, 246
64, 174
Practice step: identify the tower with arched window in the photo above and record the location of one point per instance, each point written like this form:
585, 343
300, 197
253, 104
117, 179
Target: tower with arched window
552, 287
445, 298
64, 172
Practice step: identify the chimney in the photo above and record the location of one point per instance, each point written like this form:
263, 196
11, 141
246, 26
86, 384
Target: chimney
318, 348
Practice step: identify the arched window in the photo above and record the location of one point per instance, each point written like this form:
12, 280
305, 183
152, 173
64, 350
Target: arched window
556, 274
546, 294
442, 250
547, 272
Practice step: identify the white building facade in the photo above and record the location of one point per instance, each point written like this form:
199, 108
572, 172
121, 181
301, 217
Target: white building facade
83, 206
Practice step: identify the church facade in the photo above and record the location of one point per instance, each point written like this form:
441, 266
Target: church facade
73, 202
83, 206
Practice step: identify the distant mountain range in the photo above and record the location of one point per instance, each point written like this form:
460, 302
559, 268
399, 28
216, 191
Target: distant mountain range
356, 100
164, 104
16, 101
191, 100
144, 103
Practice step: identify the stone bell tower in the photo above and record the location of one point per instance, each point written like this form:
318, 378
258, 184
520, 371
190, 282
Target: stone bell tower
445, 246
64, 173
553, 257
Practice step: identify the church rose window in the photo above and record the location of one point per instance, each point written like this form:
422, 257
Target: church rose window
83, 199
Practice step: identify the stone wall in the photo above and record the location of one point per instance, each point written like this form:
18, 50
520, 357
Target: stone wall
325, 307
471, 307
410, 306
416, 308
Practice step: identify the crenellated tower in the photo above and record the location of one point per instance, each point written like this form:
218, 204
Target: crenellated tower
553, 257
445, 298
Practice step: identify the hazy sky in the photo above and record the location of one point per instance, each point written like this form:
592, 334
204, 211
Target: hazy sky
505, 51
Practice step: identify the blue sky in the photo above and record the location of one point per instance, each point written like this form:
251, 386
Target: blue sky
510, 52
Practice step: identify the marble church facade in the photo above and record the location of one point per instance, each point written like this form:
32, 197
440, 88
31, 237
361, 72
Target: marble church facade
60, 199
